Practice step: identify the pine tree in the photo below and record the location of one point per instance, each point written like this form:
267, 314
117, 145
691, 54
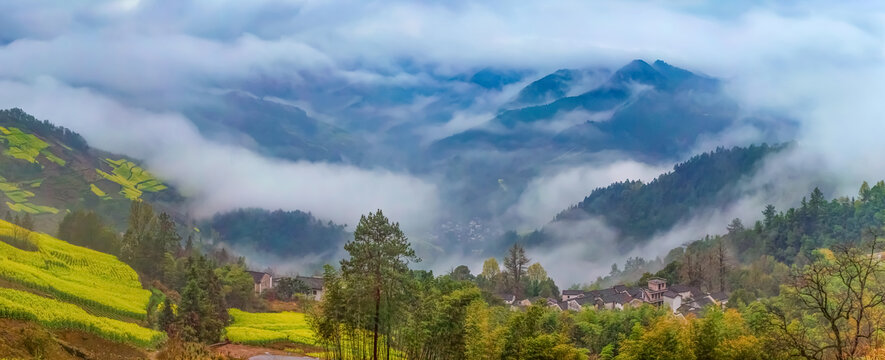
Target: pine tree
514, 265
379, 258
769, 214
864, 192
203, 312
139, 234
167, 315
27, 222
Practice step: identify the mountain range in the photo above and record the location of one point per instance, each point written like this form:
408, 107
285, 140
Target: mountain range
654, 113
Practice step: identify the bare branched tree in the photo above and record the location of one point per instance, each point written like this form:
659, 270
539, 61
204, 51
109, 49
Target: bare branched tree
833, 307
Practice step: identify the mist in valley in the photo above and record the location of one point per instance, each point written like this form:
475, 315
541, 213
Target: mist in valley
385, 95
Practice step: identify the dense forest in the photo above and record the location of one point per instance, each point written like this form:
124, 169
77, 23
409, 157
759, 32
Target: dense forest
286, 233
638, 210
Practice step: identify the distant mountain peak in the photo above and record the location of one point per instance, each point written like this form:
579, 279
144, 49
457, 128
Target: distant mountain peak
672, 72
491, 78
638, 71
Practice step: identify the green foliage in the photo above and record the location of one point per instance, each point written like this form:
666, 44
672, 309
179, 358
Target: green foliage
237, 286
287, 233
638, 210
287, 287
514, 269
55, 314
202, 314
375, 275
148, 239
86, 228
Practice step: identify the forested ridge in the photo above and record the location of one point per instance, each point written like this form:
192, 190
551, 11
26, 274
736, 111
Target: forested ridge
286, 233
638, 210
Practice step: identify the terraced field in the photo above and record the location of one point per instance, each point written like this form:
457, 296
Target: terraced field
55, 314
134, 179
74, 274
20, 198
264, 328
26, 146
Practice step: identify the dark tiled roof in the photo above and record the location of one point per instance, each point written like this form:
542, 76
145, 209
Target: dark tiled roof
635, 292
680, 288
257, 275
670, 294
703, 302
619, 288
719, 296
685, 309
313, 283
572, 292
694, 291
607, 292
585, 300
619, 298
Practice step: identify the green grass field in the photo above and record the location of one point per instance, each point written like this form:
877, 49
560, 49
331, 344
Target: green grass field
55, 314
74, 274
26, 146
263, 328
132, 178
19, 198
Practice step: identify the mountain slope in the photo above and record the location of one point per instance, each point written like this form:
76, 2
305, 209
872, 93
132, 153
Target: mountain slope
277, 129
46, 170
637, 210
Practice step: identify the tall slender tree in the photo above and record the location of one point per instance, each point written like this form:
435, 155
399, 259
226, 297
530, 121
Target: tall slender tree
379, 259
515, 267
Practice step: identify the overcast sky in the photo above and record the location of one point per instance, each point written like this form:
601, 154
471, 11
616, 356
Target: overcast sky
106, 69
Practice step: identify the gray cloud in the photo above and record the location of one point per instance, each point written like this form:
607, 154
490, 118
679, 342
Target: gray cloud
221, 177
549, 194
118, 70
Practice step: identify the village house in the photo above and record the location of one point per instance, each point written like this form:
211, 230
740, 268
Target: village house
261, 281
571, 294
680, 299
315, 286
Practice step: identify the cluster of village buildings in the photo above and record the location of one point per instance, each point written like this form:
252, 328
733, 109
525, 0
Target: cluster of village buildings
680, 299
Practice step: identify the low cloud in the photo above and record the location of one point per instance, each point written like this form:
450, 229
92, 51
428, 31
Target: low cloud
220, 177
548, 194
566, 119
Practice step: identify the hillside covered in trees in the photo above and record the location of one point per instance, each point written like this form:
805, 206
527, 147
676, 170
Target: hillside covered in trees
284, 233
638, 210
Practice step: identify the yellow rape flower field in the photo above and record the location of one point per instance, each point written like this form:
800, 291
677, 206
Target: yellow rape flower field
73, 274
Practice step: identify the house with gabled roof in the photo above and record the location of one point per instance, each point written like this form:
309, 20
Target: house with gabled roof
315, 286
571, 294
261, 281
